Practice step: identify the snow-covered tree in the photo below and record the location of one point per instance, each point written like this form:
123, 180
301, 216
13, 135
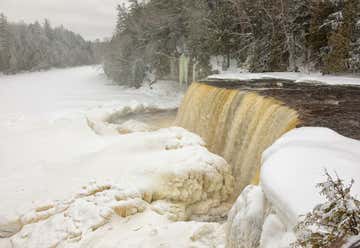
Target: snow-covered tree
339, 42
30, 47
263, 35
4, 43
332, 223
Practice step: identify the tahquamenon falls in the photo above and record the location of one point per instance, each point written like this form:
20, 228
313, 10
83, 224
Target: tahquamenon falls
235, 124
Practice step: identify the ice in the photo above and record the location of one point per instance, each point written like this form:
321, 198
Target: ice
246, 218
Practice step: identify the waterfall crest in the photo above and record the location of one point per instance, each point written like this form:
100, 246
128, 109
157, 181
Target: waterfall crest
237, 125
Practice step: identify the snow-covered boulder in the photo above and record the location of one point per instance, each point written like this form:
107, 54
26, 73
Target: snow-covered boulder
264, 216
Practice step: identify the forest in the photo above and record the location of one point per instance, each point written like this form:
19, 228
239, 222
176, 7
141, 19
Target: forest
35, 46
260, 35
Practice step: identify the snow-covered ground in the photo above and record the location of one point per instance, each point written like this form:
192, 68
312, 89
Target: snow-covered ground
69, 179
293, 76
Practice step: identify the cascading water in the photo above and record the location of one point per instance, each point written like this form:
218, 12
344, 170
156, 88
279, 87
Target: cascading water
237, 125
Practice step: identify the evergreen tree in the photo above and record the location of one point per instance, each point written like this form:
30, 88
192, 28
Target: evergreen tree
262, 35
299, 25
319, 31
48, 30
37, 47
4, 44
330, 224
224, 29
340, 40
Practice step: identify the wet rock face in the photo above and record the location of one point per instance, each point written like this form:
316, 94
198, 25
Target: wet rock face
333, 106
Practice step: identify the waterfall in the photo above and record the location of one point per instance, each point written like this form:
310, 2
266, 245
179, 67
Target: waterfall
238, 125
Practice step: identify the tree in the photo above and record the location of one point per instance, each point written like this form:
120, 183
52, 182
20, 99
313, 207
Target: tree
4, 44
224, 29
31, 47
262, 35
48, 30
330, 224
340, 40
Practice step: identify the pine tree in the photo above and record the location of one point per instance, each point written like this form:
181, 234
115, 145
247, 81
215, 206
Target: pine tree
35, 47
224, 27
299, 25
4, 44
353, 15
319, 31
340, 40
121, 19
330, 224
48, 30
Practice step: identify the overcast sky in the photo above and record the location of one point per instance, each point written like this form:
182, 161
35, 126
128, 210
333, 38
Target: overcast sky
91, 18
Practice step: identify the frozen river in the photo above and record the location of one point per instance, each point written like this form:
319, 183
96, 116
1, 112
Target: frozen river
63, 164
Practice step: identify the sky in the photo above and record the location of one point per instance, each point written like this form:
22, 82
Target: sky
91, 18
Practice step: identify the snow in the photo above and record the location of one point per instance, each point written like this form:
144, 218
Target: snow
217, 62
295, 163
73, 177
275, 234
293, 76
68, 173
264, 216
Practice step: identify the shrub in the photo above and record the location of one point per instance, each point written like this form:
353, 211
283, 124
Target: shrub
332, 223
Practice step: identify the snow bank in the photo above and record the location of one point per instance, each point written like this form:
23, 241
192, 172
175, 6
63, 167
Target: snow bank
265, 215
293, 76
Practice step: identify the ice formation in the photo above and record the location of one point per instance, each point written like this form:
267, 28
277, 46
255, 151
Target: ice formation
246, 218
179, 190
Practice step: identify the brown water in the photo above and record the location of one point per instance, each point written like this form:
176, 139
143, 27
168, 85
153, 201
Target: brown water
238, 125
155, 119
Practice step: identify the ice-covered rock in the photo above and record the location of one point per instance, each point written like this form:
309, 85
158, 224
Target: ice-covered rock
182, 180
246, 219
9, 225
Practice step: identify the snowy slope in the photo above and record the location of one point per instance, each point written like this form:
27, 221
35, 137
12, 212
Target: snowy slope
60, 178
297, 77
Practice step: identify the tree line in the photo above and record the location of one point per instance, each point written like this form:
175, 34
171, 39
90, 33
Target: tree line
261, 35
35, 46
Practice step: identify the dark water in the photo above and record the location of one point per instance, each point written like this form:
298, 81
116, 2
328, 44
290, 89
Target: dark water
156, 119
333, 106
